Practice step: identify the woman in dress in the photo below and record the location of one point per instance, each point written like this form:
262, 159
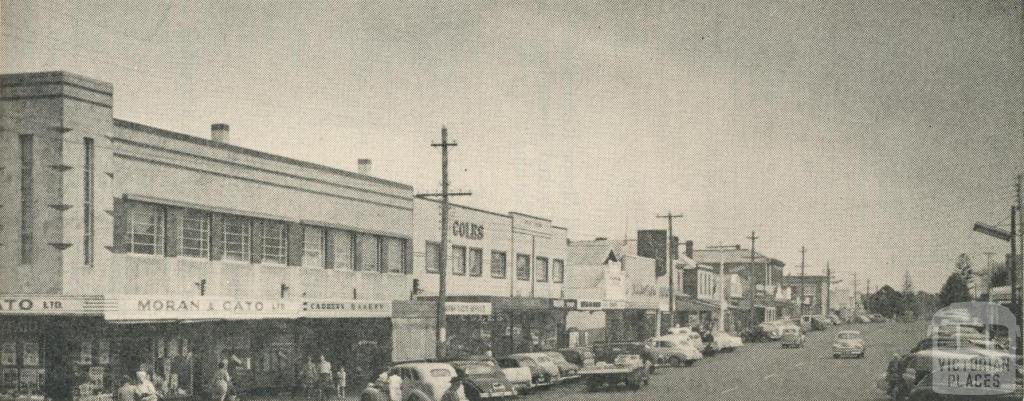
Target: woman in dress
221, 382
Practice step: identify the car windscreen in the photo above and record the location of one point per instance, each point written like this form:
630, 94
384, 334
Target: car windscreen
440, 373
478, 369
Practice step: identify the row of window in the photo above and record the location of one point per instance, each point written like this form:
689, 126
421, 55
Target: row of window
706, 283
254, 240
470, 261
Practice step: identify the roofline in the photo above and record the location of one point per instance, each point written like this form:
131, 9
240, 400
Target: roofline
427, 198
530, 216
251, 152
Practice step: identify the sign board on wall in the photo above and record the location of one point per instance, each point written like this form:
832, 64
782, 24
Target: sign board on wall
468, 308
51, 305
328, 308
589, 305
136, 307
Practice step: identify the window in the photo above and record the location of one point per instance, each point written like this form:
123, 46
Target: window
523, 267
498, 264
557, 271
367, 253
26, 198
275, 243
475, 262
88, 228
432, 256
314, 247
195, 234
237, 234
342, 245
459, 260
145, 229
393, 254
542, 270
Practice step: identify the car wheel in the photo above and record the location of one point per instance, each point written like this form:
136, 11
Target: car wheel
675, 361
688, 363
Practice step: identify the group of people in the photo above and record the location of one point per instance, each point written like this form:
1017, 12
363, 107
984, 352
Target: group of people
137, 388
320, 381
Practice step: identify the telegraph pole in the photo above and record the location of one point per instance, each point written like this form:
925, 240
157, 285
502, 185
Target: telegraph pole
828, 289
856, 298
442, 321
750, 277
669, 267
1020, 238
721, 283
803, 251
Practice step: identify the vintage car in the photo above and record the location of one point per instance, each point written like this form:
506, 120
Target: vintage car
607, 352
792, 337
848, 343
726, 342
541, 373
938, 373
674, 350
487, 377
627, 369
770, 330
566, 370
421, 381
581, 356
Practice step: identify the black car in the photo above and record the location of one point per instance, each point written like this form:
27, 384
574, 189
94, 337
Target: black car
606, 352
487, 377
581, 356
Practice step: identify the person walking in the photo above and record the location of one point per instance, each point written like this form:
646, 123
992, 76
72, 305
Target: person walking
325, 382
309, 377
127, 390
340, 381
221, 385
144, 389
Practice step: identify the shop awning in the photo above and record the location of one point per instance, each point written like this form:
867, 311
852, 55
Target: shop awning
694, 305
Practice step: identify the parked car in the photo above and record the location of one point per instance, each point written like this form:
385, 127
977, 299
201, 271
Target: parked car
725, 341
848, 343
911, 376
543, 370
606, 352
520, 377
627, 369
566, 370
421, 381
488, 377
792, 337
581, 356
769, 330
674, 350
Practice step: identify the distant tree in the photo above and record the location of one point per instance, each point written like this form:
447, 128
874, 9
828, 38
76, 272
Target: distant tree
999, 276
955, 290
926, 304
886, 302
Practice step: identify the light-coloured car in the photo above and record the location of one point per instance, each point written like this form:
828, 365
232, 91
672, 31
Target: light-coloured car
792, 337
421, 381
725, 341
848, 343
674, 350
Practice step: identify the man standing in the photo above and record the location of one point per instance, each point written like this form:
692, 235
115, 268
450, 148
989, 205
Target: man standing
340, 382
325, 385
395, 387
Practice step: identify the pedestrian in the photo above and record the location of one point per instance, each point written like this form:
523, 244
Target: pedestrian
221, 383
144, 389
454, 391
469, 388
340, 379
395, 386
308, 377
127, 390
325, 383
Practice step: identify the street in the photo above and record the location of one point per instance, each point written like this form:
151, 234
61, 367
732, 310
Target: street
766, 371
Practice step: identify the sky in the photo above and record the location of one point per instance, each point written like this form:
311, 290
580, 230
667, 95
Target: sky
873, 133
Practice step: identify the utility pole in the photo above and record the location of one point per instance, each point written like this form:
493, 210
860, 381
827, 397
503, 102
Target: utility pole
1013, 255
442, 321
721, 284
669, 267
803, 251
856, 298
750, 277
1020, 238
828, 289
988, 266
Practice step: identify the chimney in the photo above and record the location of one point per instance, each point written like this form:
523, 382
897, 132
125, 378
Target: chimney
219, 133
689, 249
365, 166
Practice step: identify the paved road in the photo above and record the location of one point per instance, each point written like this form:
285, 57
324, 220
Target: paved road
765, 371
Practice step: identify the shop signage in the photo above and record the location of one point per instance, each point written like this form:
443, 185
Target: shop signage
569, 304
614, 305
133, 307
50, 305
468, 308
589, 305
327, 308
467, 230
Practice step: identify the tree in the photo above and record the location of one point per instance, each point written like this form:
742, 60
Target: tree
909, 299
955, 290
886, 302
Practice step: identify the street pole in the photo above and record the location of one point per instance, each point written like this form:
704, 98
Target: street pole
803, 250
1013, 255
669, 267
828, 289
440, 331
721, 285
856, 299
750, 277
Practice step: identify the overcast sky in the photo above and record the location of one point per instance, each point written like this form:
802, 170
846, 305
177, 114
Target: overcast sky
875, 133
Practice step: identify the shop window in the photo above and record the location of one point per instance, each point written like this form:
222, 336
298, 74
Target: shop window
314, 247
88, 192
459, 260
342, 246
542, 269
275, 243
145, 229
523, 267
195, 234
27, 189
367, 252
237, 238
475, 262
393, 254
21, 373
499, 264
557, 271
432, 254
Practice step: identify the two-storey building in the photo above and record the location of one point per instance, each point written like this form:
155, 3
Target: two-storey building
126, 247
755, 279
